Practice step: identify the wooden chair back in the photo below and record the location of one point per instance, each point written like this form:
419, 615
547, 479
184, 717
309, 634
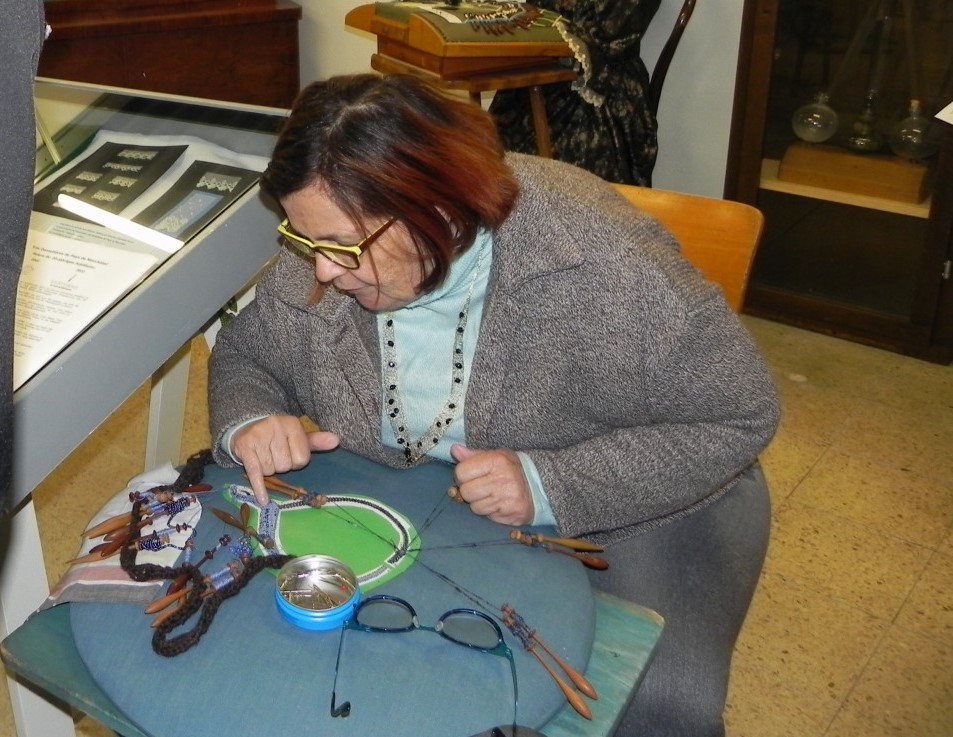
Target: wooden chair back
718, 236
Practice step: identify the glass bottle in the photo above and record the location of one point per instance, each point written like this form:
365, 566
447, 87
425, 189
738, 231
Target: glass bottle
866, 138
815, 122
914, 137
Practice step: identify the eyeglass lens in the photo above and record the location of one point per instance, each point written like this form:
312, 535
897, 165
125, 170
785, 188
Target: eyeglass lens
469, 629
341, 258
385, 615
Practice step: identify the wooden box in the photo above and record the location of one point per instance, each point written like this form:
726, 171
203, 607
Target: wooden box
874, 175
425, 39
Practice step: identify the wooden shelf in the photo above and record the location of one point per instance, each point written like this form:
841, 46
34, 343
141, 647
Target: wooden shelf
770, 181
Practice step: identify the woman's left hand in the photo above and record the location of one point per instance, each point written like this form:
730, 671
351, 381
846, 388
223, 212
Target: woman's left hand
493, 484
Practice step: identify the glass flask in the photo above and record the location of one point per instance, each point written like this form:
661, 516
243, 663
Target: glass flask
914, 137
815, 122
865, 138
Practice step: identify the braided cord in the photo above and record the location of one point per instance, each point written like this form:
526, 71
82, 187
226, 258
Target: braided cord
200, 596
163, 645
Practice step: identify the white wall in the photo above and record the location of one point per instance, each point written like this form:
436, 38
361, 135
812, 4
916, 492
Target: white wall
695, 112
329, 47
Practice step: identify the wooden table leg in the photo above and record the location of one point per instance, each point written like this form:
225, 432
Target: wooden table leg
540, 121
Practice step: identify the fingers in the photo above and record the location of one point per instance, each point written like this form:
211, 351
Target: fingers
461, 452
323, 440
257, 480
493, 484
275, 445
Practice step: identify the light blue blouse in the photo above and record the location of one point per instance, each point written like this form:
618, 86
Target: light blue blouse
424, 334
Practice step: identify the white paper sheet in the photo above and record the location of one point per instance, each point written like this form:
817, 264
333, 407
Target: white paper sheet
946, 114
65, 285
73, 271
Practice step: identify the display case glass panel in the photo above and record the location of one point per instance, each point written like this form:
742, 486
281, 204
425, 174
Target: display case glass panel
123, 182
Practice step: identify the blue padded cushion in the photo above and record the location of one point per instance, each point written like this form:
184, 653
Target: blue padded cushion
255, 673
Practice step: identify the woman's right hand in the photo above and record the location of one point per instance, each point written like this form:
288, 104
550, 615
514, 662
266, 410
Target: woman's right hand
276, 444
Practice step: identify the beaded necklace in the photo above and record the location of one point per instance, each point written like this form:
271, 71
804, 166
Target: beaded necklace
414, 450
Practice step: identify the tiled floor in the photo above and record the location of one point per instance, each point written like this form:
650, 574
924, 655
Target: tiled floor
851, 631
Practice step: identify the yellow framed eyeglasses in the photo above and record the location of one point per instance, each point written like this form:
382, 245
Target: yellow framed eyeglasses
347, 256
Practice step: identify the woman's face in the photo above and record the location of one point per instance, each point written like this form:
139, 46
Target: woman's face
390, 270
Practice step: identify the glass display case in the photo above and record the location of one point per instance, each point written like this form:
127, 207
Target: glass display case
147, 219
852, 170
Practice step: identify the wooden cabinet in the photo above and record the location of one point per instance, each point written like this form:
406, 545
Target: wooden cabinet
234, 50
869, 269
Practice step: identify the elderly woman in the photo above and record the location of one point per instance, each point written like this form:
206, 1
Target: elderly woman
514, 316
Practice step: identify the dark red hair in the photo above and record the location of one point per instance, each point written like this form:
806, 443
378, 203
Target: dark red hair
396, 146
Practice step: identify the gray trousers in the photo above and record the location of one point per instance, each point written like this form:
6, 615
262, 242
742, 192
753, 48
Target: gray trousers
699, 573
21, 37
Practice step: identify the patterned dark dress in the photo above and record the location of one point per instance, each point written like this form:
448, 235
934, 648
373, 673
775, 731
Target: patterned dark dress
608, 126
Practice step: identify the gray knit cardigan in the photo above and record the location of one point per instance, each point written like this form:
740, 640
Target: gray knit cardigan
602, 353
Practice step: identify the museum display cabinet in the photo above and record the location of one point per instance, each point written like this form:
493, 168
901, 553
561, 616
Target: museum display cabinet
236, 50
147, 220
835, 140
